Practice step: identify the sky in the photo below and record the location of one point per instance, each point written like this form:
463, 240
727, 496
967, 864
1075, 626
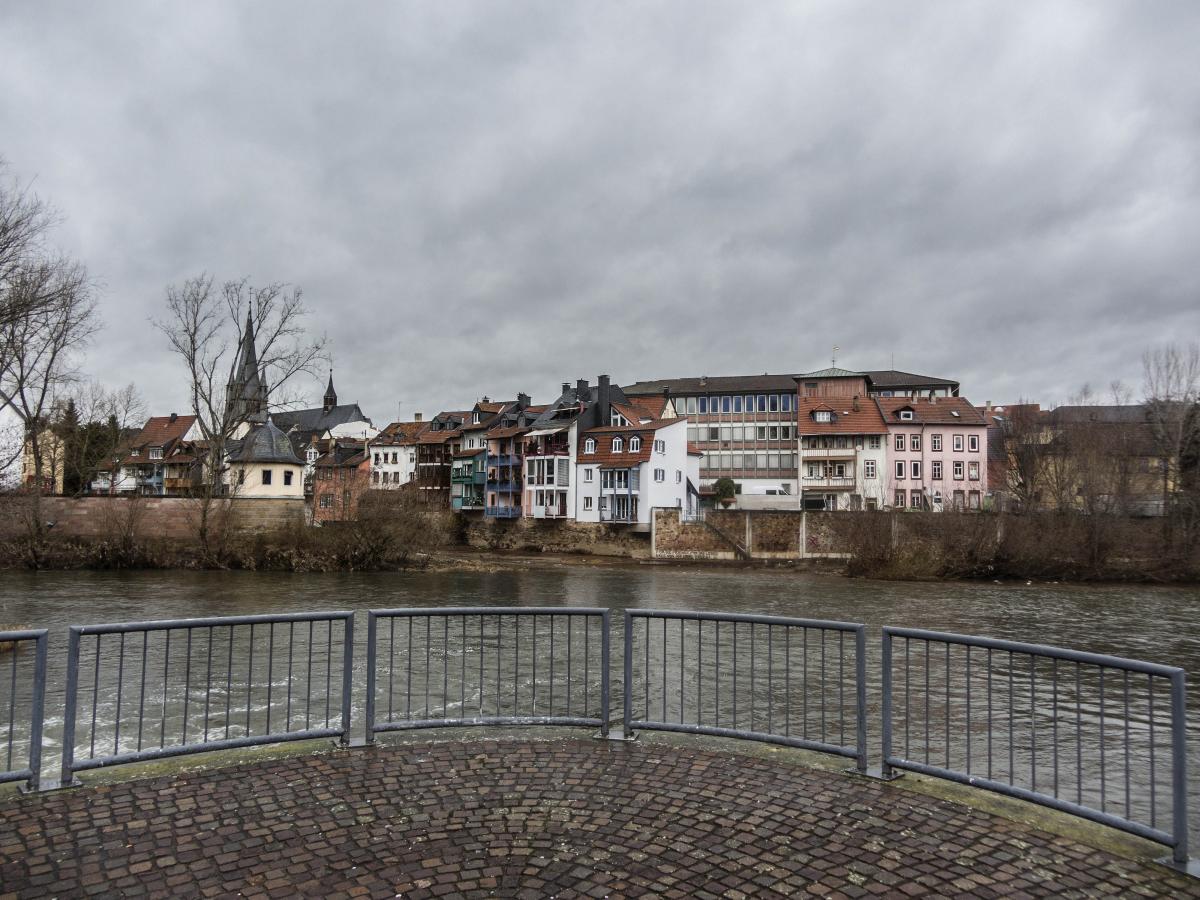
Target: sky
481, 198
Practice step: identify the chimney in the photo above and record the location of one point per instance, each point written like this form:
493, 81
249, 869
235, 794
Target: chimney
581, 389
566, 386
523, 401
174, 416
484, 399
856, 407
703, 380
416, 417
602, 393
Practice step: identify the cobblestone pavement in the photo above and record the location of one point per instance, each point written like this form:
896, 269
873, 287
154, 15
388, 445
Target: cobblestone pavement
571, 817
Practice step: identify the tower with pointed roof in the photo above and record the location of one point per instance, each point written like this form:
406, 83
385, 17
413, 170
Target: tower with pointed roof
246, 393
330, 399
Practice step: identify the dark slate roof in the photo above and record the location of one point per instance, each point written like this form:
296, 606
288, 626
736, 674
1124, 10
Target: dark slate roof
317, 419
264, 444
884, 379
714, 385
1107, 415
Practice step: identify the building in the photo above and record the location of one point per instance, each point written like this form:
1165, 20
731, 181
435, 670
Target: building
158, 461
394, 454
937, 453
435, 454
329, 420
843, 453
890, 383
246, 393
262, 465
505, 464
627, 470
341, 475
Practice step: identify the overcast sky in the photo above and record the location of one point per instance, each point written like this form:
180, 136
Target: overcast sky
481, 198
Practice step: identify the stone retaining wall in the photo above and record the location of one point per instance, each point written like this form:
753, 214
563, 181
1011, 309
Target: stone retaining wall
760, 534
554, 536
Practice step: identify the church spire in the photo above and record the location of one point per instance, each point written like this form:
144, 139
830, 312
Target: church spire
330, 394
246, 394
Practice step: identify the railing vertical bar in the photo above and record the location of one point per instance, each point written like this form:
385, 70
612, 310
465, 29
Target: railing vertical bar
770, 680
947, 705
446, 664
682, 666
804, 682
372, 636
187, 684
1012, 711
700, 671
968, 709
291, 654
989, 714
37, 712
408, 672
428, 652
328, 673
570, 624
1126, 686
516, 667
886, 704
587, 630
71, 706
229, 678
307, 676
928, 666
95, 699
1032, 722
1153, 787
347, 674
271, 668
391, 665
462, 655
842, 688
664, 670
735, 683
12, 706
1054, 719
605, 661
907, 698
753, 693
627, 677
1103, 786
824, 733
717, 674
162, 732
646, 670
481, 661
120, 689
787, 681
1078, 736
249, 679
208, 682
551, 702
1179, 765
860, 694
142, 690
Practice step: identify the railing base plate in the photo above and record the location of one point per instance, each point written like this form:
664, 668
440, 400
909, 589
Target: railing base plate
51, 786
616, 734
876, 773
1191, 868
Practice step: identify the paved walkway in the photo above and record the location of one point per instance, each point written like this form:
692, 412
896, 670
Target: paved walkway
568, 817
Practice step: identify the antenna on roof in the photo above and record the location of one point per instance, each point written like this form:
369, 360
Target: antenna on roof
833, 360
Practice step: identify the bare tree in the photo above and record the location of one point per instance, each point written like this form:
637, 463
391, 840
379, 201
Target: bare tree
1025, 439
1171, 383
24, 222
205, 329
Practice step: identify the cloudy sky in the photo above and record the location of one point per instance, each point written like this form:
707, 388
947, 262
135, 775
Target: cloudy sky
481, 198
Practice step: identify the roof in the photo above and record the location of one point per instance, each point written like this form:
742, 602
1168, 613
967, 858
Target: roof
437, 437
464, 454
694, 450
343, 453
507, 432
832, 372
317, 418
882, 379
604, 455
1105, 415
490, 407
161, 430
264, 444
714, 385
866, 419
942, 411
400, 433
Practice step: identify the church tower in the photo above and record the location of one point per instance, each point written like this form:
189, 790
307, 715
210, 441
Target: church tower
330, 394
246, 393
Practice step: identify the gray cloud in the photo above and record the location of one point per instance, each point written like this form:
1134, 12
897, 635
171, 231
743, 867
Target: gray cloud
485, 198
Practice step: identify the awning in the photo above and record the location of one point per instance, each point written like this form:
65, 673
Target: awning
692, 488
537, 432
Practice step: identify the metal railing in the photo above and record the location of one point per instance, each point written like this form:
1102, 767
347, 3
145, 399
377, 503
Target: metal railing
177, 686
792, 678
26, 690
487, 666
1077, 732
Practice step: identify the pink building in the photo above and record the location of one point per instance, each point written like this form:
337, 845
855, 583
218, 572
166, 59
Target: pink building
937, 453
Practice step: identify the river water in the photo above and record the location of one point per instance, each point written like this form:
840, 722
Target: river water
1157, 624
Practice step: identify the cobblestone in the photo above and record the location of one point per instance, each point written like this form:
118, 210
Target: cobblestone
570, 817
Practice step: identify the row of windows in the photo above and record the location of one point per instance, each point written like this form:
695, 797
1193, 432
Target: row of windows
732, 460
739, 403
618, 445
840, 442
660, 475
388, 477
935, 469
267, 476
917, 499
935, 442
727, 433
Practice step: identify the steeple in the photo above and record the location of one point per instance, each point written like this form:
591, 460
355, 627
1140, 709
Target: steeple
330, 394
246, 393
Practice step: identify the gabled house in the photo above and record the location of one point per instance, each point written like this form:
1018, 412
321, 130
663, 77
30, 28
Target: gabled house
468, 472
843, 453
435, 453
141, 467
342, 473
937, 453
394, 454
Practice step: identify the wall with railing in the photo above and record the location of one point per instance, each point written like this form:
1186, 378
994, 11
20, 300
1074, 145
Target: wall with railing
1096, 736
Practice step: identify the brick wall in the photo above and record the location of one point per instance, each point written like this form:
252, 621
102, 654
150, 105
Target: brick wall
170, 518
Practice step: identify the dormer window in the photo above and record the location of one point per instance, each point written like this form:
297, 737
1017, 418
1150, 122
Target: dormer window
823, 415
589, 446
635, 444
475, 419
156, 452
617, 445
906, 415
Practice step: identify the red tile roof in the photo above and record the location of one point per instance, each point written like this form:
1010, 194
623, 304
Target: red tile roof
867, 419
604, 455
942, 411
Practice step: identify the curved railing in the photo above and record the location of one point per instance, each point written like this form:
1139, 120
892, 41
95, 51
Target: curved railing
1097, 736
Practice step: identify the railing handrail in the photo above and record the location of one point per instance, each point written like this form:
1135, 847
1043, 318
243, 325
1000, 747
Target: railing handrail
1044, 650
210, 621
421, 612
757, 619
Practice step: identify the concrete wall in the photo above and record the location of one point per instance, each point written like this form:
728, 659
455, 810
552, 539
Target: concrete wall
763, 534
170, 518
554, 536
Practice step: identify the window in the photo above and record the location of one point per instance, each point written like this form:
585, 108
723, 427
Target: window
762, 402
935, 470
839, 470
725, 404
266, 476
588, 473
899, 468
660, 446
899, 499
973, 443
874, 442
958, 470
587, 502
660, 474
915, 499
773, 432
914, 443
375, 459
690, 406
822, 415
703, 402
958, 443
326, 501
617, 445
973, 497
287, 477
973, 471
635, 444
899, 443
241, 476
785, 403
737, 403
395, 457
935, 443
589, 446
678, 476
773, 403
869, 468
156, 452
916, 468
906, 415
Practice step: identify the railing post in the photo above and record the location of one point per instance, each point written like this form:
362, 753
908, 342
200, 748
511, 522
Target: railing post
372, 622
860, 693
72, 699
347, 675
38, 713
885, 768
1179, 765
627, 687
605, 662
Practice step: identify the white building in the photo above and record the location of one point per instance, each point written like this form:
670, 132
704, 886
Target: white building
394, 454
843, 453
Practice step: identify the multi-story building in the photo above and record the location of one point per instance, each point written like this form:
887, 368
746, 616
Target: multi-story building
394, 454
890, 383
843, 454
504, 468
144, 466
435, 454
468, 472
342, 474
937, 453
627, 470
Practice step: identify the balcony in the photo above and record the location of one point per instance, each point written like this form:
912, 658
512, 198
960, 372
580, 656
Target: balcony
467, 476
833, 482
549, 512
503, 512
556, 449
504, 487
828, 452
503, 459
